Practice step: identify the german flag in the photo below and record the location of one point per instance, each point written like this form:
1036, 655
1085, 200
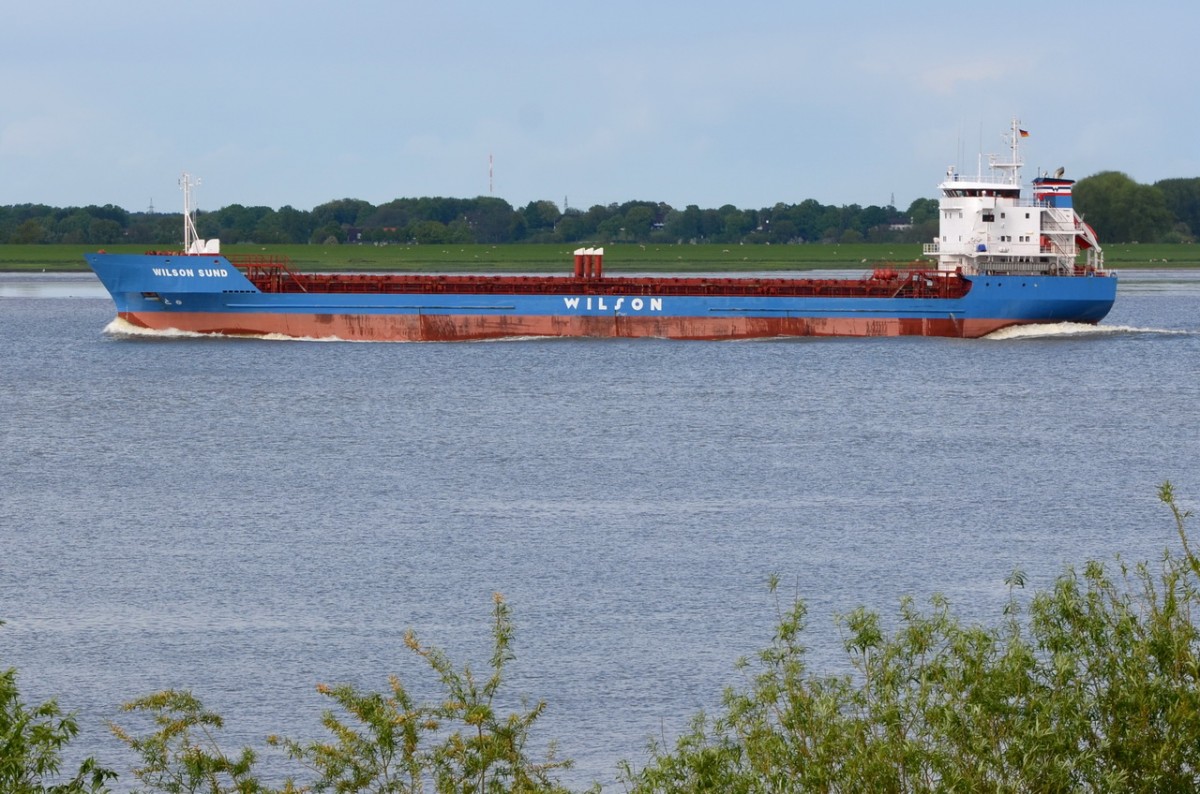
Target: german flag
1024, 133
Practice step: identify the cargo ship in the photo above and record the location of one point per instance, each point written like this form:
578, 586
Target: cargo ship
1000, 259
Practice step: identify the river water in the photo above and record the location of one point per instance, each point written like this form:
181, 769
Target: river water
248, 518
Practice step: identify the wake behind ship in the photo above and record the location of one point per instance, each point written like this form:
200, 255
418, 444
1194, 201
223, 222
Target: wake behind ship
999, 260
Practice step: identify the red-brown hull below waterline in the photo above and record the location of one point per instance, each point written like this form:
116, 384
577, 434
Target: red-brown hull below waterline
458, 328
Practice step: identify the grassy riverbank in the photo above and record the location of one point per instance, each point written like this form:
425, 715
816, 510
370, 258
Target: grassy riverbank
551, 258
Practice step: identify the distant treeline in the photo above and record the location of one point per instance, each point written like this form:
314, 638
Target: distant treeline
1121, 211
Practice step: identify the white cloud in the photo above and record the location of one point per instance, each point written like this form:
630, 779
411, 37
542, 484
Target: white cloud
961, 74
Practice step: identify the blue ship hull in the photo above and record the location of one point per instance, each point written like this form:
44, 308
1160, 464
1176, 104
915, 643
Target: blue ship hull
209, 294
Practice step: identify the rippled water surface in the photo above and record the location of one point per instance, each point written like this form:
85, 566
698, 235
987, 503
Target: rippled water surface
247, 518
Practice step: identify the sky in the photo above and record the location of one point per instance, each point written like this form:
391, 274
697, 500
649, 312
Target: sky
273, 103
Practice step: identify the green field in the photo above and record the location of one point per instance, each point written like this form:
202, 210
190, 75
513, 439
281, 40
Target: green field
558, 258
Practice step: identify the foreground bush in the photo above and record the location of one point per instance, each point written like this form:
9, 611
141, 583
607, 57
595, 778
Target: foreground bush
381, 742
1090, 687
32, 739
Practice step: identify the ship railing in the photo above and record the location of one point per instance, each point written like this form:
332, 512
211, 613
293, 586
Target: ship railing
1053, 249
1058, 219
921, 282
1057, 266
268, 272
260, 260
1050, 260
894, 281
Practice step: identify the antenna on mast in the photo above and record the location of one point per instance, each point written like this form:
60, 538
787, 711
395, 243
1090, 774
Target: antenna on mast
1013, 166
192, 244
190, 238
489, 173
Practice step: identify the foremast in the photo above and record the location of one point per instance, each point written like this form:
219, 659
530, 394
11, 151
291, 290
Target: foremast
192, 244
985, 226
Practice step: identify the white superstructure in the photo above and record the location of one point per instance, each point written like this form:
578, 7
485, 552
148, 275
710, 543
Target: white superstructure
986, 227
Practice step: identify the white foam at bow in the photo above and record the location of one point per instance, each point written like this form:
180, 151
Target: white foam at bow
1050, 330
